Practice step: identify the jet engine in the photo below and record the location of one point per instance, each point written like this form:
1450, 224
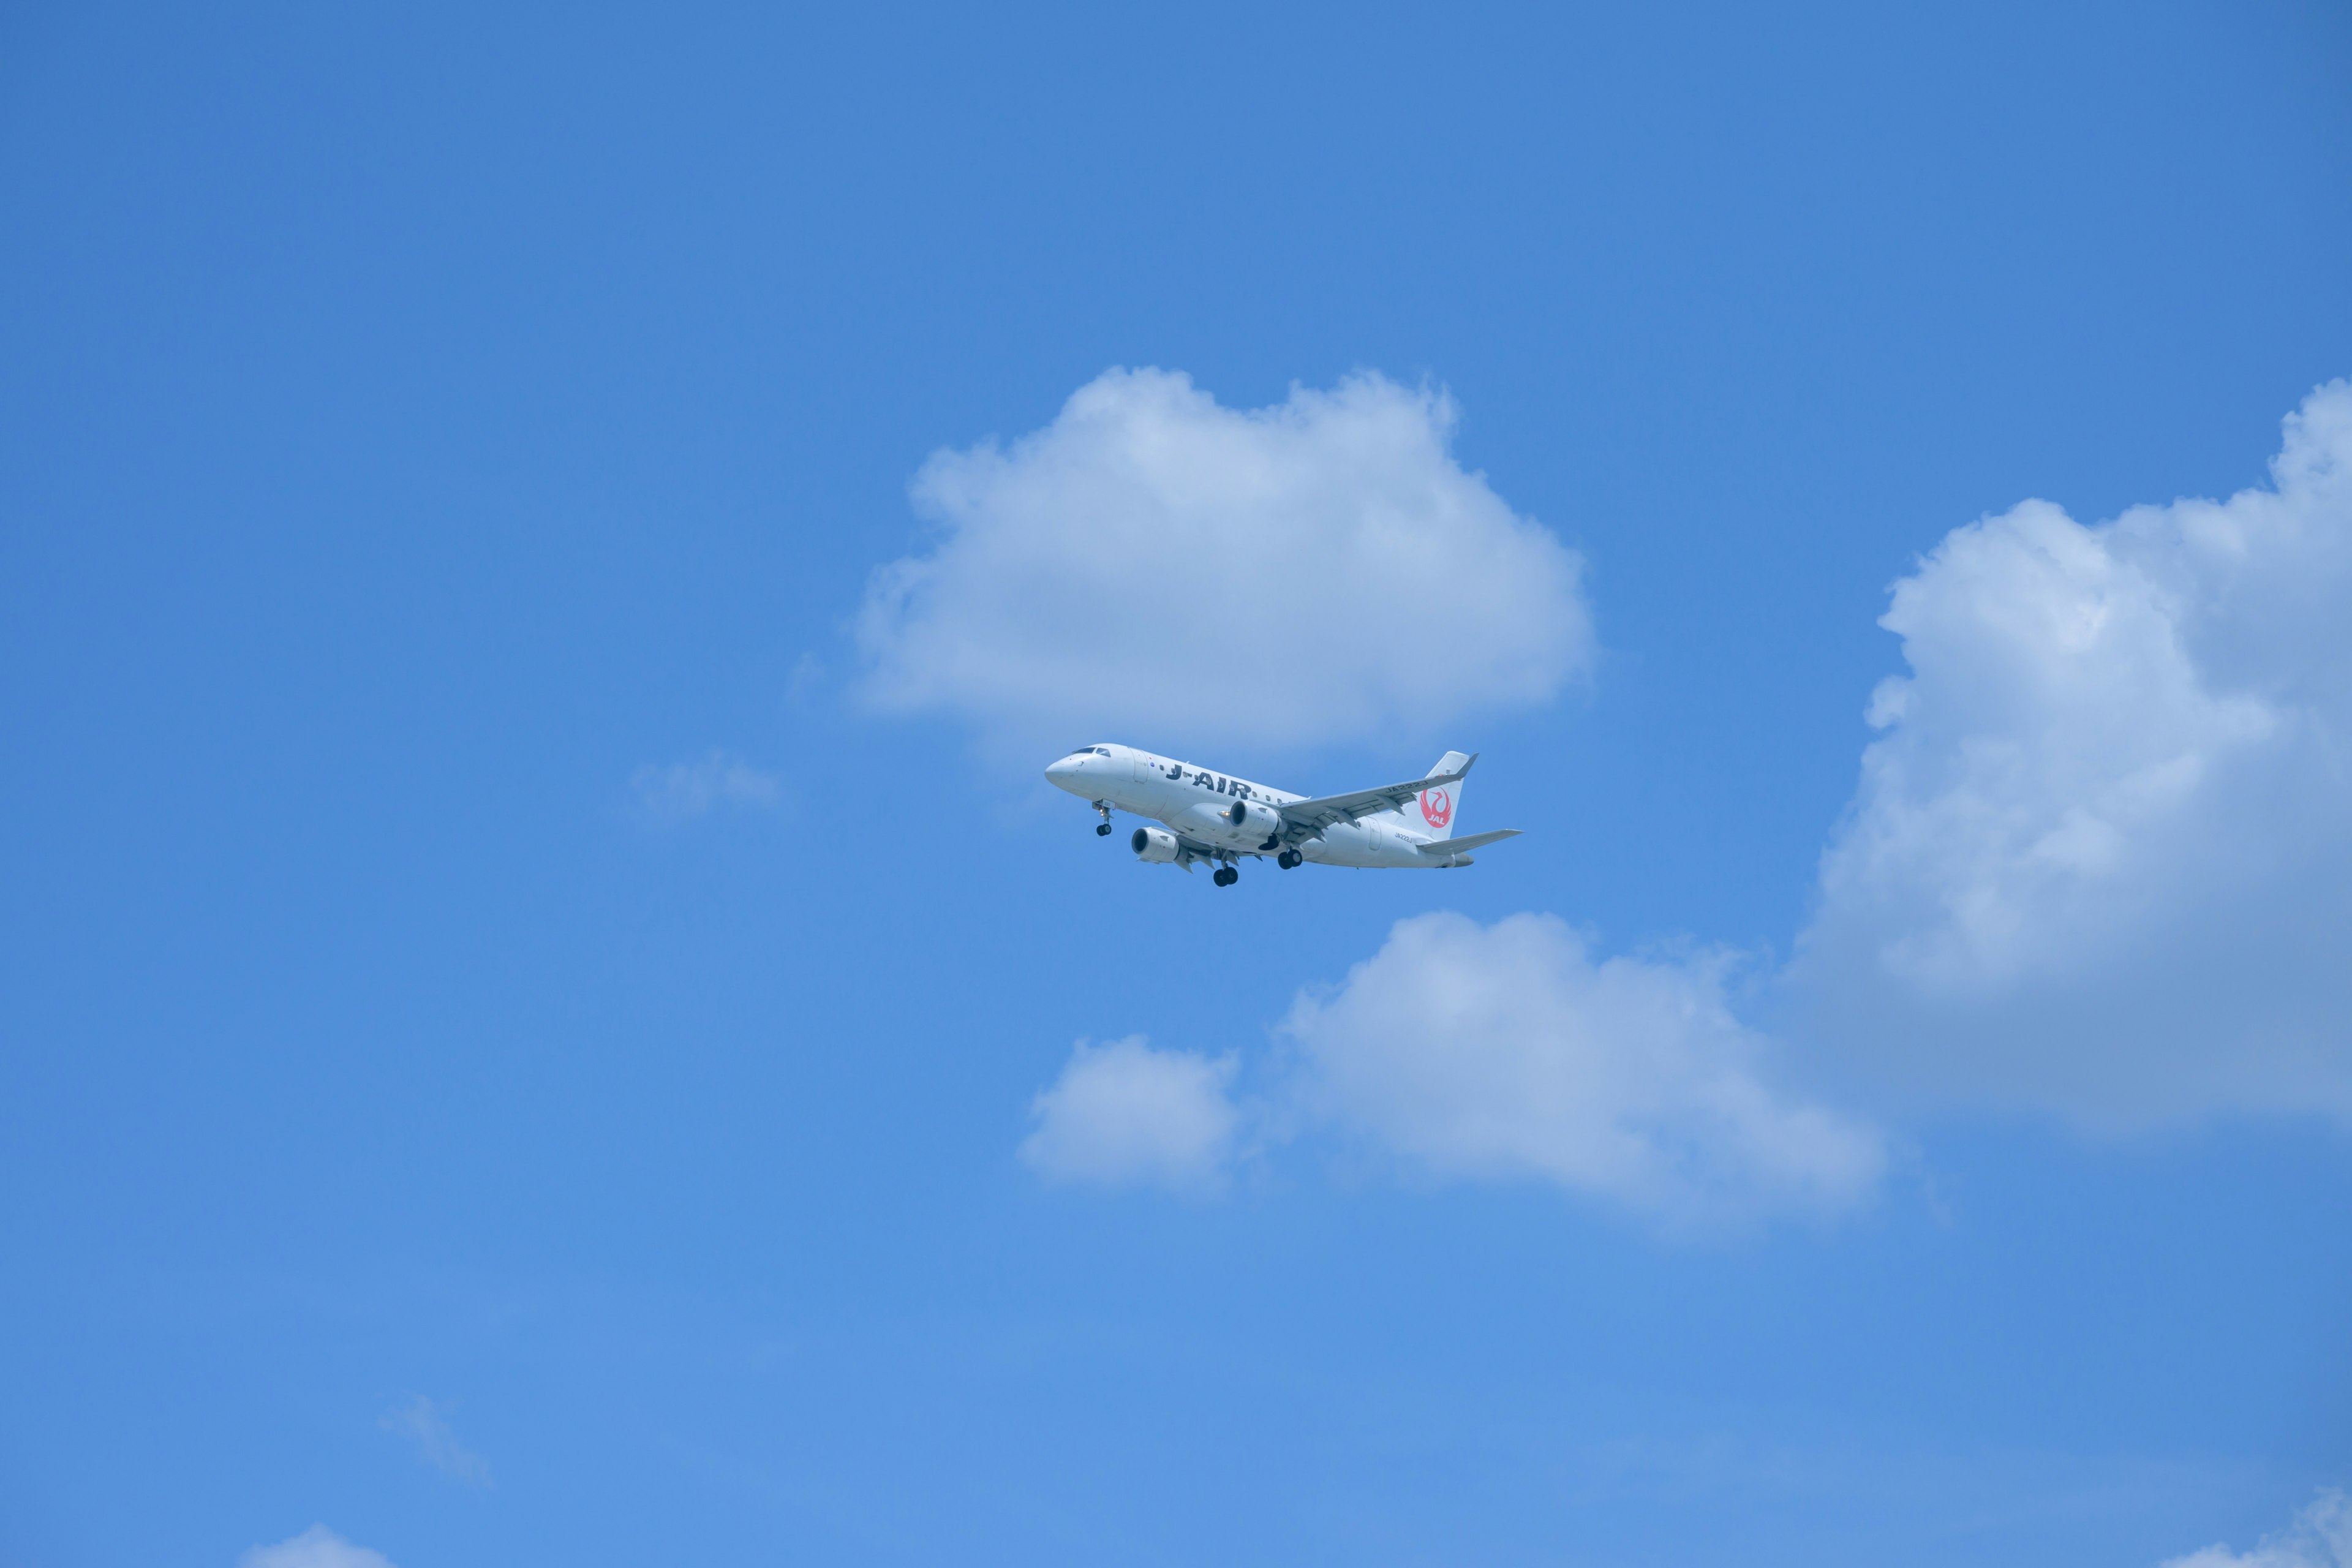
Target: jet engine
1255, 821
1155, 846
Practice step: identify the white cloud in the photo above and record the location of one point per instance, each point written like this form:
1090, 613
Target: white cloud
2099, 857
1153, 565
424, 1425
1124, 1114
1506, 1051
682, 790
2321, 1537
317, 1547
1501, 1052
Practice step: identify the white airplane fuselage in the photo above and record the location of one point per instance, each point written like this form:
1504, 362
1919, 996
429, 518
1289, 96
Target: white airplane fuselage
1198, 808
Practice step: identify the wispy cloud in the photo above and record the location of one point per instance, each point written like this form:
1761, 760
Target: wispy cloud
317, 1547
422, 1424
673, 794
2320, 1537
808, 676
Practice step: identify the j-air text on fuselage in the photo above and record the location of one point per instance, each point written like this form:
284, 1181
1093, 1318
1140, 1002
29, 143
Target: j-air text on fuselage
1213, 816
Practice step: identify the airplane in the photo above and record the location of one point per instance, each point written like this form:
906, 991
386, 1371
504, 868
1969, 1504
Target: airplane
1213, 816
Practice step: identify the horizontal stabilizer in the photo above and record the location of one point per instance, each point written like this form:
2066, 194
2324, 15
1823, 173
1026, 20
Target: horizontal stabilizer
1438, 848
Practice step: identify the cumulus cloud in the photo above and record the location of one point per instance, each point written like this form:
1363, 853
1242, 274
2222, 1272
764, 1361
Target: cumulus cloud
317, 1547
422, 1424
2100, 858
1150, 562
1509, 1051
1502, 1052
2321, 1537
1124, 1114
673, 794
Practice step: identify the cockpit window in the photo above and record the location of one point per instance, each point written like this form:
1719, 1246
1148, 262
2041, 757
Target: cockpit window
1102, 751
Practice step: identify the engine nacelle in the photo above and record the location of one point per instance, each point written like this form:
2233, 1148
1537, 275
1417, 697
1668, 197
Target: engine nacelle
1155, 846
1253, 821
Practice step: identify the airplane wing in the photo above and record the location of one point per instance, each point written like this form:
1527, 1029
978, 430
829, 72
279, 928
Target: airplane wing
1304, 818
1438, 848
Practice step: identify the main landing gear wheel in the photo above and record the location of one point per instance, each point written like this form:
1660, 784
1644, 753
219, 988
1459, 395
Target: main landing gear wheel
1102, 830
1289, 858
1226, 877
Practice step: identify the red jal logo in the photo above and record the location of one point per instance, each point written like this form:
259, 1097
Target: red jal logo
1436, 807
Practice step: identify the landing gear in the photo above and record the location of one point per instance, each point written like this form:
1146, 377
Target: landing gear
1289, 858
1102, 828
1226, 877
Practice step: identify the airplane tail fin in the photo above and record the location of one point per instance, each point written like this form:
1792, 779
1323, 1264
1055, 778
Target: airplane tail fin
1440, 805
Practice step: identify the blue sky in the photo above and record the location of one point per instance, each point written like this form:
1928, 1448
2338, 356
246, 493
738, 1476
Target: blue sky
529, 1036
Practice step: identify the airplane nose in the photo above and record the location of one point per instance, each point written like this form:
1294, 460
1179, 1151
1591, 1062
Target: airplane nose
1065, 775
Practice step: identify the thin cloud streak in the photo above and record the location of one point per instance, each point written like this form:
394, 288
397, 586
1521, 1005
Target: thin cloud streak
2320, 1537
422, 1424
317, 1547
682, 791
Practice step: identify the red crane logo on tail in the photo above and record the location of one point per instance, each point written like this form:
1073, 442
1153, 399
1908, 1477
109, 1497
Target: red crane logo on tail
1436, 807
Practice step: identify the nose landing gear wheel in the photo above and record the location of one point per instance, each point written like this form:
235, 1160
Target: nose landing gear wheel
1102, 829
1226, 877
